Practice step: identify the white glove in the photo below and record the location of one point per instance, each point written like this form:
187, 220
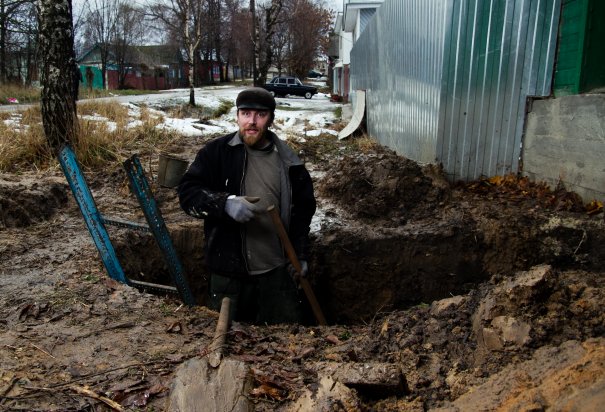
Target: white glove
241, 208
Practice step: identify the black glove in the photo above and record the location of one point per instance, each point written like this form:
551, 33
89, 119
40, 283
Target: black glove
241, 208
304, 269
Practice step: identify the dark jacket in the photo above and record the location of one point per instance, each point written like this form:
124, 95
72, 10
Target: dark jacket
217, 172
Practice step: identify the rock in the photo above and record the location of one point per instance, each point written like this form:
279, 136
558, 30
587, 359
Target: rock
512, 331
370, 379
505, 333
514, 293
492, 340
495, 323
442, 305
328, 396
198, 387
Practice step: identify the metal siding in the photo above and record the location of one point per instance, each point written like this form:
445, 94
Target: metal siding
365, 16
448, 80
401, 79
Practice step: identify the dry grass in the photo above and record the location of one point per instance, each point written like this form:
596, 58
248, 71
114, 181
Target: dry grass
22, 142
22, 94
105, 135
364, 143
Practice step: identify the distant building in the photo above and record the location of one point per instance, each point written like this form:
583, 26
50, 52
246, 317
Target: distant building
145, 68
347, 28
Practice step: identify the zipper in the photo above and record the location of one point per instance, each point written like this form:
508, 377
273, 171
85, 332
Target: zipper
242, 231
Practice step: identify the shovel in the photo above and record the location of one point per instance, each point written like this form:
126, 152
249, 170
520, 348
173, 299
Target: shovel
304, 283
217, 348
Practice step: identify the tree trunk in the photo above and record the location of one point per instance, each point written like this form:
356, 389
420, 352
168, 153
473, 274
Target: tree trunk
58, 72
191, 77
3, 76
254, 40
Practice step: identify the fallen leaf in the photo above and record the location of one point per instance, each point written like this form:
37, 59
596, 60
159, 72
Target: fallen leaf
157, 389
174, 357
333, 339
137, 399
267, 391
385, 328
175, 328
594, 207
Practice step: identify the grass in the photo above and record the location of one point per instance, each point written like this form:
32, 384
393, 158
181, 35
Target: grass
338, 112
224, 108
22, 94
24, 147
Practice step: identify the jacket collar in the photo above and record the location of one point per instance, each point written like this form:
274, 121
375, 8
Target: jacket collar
285, 152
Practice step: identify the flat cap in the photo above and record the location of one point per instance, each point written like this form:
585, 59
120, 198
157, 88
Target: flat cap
255, 98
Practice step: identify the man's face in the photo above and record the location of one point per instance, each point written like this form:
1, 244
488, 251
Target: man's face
253, 125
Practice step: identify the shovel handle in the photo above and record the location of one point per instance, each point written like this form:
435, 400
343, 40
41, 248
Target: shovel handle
217, 347
304, 283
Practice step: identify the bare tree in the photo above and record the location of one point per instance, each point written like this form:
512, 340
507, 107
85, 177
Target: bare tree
254, 38
231, 9
17, 39
128, 33
280, 44
289, 33
185, 18
58, 71
214, 17
265, 39
308, 28
237, 39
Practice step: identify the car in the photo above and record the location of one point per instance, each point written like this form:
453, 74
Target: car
314, 74
284, 85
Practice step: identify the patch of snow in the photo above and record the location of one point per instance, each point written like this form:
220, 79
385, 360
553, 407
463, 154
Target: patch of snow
187, 127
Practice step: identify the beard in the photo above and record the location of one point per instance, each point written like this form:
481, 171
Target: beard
254, 136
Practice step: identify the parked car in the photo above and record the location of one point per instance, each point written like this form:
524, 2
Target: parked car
314, 74
283, 85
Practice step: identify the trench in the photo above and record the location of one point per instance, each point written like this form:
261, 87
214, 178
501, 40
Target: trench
360, 272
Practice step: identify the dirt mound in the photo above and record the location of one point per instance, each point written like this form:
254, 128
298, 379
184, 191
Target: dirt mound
454, 344
24, 201
383, 186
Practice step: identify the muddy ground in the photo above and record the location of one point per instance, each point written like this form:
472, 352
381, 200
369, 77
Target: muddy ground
479, 296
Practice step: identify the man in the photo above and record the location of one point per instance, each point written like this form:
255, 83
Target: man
231, 183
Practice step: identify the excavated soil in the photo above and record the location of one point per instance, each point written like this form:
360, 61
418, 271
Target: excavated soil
481, 296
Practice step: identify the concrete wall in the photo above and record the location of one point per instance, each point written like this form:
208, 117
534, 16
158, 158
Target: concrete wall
565, 140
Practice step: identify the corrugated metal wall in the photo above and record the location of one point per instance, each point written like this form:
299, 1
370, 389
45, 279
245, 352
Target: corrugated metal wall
447, 80
365, 15
398, 60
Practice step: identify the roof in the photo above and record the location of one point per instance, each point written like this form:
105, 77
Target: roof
150, 56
